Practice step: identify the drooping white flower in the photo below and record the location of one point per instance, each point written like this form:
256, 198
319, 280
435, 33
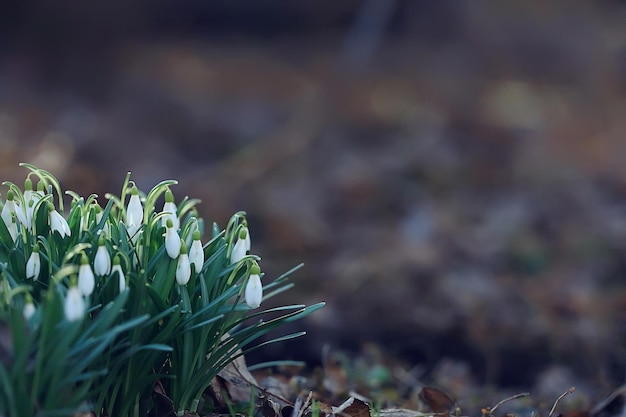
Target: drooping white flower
58, 222
134, 215
172, 240
86, 279
196, 253
247, 239
169, 207
102, 261
29, 308
11, 214
118, 268
30, 211
12, 227
74, 306
183, 268
239, 248
30, 200
10, 206
254, 289
33, 265
106, 228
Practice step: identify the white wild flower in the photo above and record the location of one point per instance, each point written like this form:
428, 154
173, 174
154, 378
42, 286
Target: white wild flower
33, 265
183, 267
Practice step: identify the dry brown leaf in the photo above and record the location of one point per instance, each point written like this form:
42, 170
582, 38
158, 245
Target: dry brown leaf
358, 408
437, 400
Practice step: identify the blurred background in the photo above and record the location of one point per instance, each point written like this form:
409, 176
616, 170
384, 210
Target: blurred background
451, 173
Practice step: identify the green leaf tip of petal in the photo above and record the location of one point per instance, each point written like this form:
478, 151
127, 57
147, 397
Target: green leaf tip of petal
169, 223
183, 248
116, 260
28, 184
169, 196
36, 247
134, 190
255, 269
84, 260
196, 235
243, 233
10, 195
101, 240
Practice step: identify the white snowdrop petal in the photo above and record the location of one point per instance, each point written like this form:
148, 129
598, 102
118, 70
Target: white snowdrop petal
183, 269
170, 209
122, 279
134, 212
86, 280
196, 255
238, 252
254, 291
247, 240
59, 224
33, 265
172, 242
102, 261
74, 306
29, 310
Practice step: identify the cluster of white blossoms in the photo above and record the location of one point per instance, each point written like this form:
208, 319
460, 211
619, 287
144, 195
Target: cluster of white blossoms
18, 214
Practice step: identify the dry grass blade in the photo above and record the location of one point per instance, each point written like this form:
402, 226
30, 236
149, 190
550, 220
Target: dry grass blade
569, 391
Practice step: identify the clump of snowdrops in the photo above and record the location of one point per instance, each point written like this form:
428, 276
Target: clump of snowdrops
103, 306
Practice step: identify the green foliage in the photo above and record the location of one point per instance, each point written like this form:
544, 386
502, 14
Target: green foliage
103, 346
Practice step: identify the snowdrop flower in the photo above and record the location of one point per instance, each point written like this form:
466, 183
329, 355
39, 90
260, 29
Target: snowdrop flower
58, 222
239, 249
134, 215
74, 306
172, 240
183, 268
33, 265
170, 209
118, 268
102, 261
12, 227
86, 279
254, 288
247, 239
29, 308
196, 253
30, 200
106, 228
10, 210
